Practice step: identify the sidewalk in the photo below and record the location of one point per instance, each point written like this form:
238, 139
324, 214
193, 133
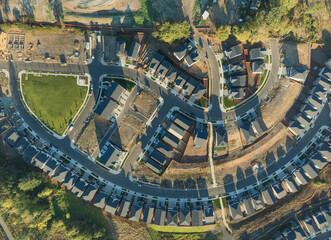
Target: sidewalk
5, 228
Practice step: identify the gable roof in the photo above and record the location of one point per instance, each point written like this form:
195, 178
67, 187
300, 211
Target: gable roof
235, 210
176, 131
182, 121
257, 53
257, 201
115, 91
163, 69
29, 153
89, 193
318, 160
310, 170
50, 166
184, 217
148, 214
159, 216
201, 136
106, 108
258, 67
248, 206
197, 217
259, 126
112, 205
134, 51
110, 157
182, 50
236, 67
164, 149
320, 220
309, 224
325, 73
248, 132
298, 74
233, 52
291, 185
300, 177
180, 80
124, 208
60, 173
153, 166
70, 180
221, 139
315, 102
199, 91
172, 74
79, 187
236, 93
268, 196
101, 200
189, 86
155, 62
120, 49
237, 81
171, 140
21, 145
158, 157
325, 151
40, 160
278, 190
172, 217
4, 126
310, 111
135, 212
208, 215
12, 138
192, 58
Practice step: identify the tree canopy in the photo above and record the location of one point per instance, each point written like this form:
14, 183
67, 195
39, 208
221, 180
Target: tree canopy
169, 32
223, 32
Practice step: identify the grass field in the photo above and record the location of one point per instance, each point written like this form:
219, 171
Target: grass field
55, 100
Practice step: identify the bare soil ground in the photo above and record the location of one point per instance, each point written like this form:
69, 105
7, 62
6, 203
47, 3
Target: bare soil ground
199, 69
193, 154
168, 9
255, 225
233, 136
281, 100
110, 47
225, 12
127, 132
145, 103
92, 134
295, 54
265, 151
4, 86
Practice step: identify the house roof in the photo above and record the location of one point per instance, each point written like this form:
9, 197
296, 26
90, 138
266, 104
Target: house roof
300, 177
236, 93
4, 126
79, 187
289, 234
182, 50
110, 156
192, 58
315, 102
89, 193
106, 108
21, 145
197, 217
258, 67
237, 81
236, 67
120, 49
171, 140
221, 138
257, 53
325, 151
60, 173
153, 166
248, 206
299, 233
209, 215
259, 126
309, 224
124, 208
155, 62
310, 111
324, 83
325, 73
189, 86
70, 180
50, 166
257, 201
299, 125
268, 196
199, 91
159, 216
298, 74
320, 92
325, 210
134, 50
29, 153
172, 74
320, 220
235, 210
176, 131
185, 217
233, 52
201, 136
101, 200
182, 121
163, 69
278, 190
115, 91
310, 171
12, 137
164, 149
318, 160
40, 159
135, 212
112, 205
248, 132
291, 185
158, 157
148, 214
180, 81
172, 216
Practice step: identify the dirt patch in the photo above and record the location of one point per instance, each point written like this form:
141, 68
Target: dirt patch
92, 134
295, 54
225, 12
193, 154
125, 136
4, 85
145, 103
233, 136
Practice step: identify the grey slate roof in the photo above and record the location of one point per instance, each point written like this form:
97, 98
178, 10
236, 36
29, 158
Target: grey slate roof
148, 214
257, 54
50, 166
298, 74
237, 93
257, 202
309, 224
248, 132
112, 205
201, 136
289, 234
268, 196
60, 174
192, 58
29, 153
170, 140
155, 62
106, 108
258, 67
320, 92
300, 177
79, 187
180, 80
278, 190
325, 151
259, 126
315, 102
235, 210
318, 160
320, 220
208, 215
325, 210
221, 138
159, 216
197, 217
110, 156
115, 92
70, 180
101, 200
248, 206
153, 165
310, 111
163, 69
172, 217
40, 160
4, 126
164, 149
233, 52
300, 124
124, 208
135, 212
185, 217
291, 185
310, 171
237, 67
89, 193
324, 83
189, 86
158, 157
176, 131
325, 73
182, 50
182, 121
134, 51
12, 137
299, 233
237, 81
199, 91
172, 75
21, 145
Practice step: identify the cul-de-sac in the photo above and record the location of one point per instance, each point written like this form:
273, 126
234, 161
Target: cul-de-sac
165, 119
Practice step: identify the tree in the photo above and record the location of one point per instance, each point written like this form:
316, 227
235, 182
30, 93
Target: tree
29, 182
223, 32
169, 32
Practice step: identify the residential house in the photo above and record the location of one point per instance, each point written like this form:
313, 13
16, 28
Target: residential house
135, 212
106, 108
297, 74
171, 140
325, 151
51, 166
184, 217
101, 200
180, 81
235, 210
300, 177
325, 73
163, 69
209, 217
148, 214
123, 211
315, 102
258, 67
237, 81
112, 205
192, 58
40, 160
288, 234
164, 149
233, 52
278, 190
236, 68
5, 126
183, 50
237, 93
70, 180
299, 233
290, 184
310, 111
155, 62
268, 196
310, 170
120, 48
320, 220
299, 125
259, 126
197, 217
12, 138
115, 91
30, 153
257, 202
159, 216
176, 131
80, 187
171, 75
248, 206
221, 139
134, 51
89, 193
318, 160
153, 166
247, 133
201, 137
172, 217
198, 92
158, 157
189, 86
310, 225
325, 210
182, 121
257, 54
110, 156
21, 145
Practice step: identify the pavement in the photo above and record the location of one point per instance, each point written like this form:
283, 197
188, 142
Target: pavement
5, 228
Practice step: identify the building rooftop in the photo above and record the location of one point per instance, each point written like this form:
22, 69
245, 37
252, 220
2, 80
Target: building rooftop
257, 201
60, 173
237, 81
221, 138
155, 62
298, 74
172, 75
29, 153
50, 166
70, 180
310, 170
40, 160
209, 217
290, 184
325, 151
172, 217
180, 80
163, 69
233, 52
79, 187
112, 205
111, 156
258, 67
135, 212
237, 67
171, 140
101, 200
300, 177
90, 192
201, 136
278, 190
257, 54
199, 91
164, 149
21, 145
134, 51
197, 217
248, 133
185, 217
159, 216
189, 86
183, 50
148, 214
158, 157
268, 196
237, 93
106, 108
124, 208
235, 210
176, 131
12, 137
153, 166
120, 48
318, 160
259, 126
248, 206
182, 121
193, 58
115, 92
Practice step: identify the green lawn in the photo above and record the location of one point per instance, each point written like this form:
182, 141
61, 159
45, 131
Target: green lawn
55, 100
128, 85
228, 102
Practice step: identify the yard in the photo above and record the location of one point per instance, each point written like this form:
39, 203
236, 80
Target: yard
54, 99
